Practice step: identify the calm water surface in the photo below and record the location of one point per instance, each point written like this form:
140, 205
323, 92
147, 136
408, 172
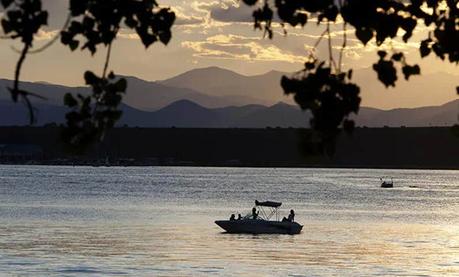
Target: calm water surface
158, 221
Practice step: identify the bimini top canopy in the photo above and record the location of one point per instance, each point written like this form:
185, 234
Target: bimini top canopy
268, 204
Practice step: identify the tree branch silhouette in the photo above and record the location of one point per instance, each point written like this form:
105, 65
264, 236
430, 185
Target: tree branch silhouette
378, 20
54, 39
343, 47
107, 60
90, 23
324, 89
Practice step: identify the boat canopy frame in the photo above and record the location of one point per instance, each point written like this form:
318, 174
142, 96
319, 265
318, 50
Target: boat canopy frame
387, 180
272, 209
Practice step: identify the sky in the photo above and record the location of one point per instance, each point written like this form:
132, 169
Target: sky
206, 33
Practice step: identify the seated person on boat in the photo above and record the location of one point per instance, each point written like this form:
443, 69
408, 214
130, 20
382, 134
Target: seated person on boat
290, 218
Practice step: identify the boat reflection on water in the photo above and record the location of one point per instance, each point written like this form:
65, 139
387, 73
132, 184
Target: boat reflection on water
264, 219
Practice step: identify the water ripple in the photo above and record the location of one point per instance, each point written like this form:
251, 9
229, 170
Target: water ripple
159, 222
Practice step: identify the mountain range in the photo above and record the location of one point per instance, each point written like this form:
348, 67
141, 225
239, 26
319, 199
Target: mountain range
187, 114
218, 98
429, 89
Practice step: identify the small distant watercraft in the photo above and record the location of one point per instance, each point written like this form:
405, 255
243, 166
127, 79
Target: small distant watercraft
385, 183
259, 221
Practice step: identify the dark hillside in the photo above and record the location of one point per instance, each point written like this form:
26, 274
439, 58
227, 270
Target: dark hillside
367, 147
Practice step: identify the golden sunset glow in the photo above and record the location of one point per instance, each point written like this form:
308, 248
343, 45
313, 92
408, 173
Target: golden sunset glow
220, 33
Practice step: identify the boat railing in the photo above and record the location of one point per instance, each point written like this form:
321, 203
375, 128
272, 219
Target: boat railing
268, 209
268, 214
385, 180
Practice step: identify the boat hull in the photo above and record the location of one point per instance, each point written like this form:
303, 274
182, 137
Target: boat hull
387, 186
251, 226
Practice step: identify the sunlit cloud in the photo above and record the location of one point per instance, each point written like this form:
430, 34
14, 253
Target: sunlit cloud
46, 35
240, 48
183, 19
209, 33
233, 13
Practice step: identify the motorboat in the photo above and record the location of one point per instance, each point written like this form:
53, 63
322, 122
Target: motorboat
264, 219
386, 183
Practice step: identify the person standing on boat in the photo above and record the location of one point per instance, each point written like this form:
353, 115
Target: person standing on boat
254, 213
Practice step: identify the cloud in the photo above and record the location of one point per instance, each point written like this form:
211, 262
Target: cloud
188, 20
45, 35
204, 7
240, 48
240, 13
128, 34
235, 13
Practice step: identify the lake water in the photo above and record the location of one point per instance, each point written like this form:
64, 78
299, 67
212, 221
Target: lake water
158, 221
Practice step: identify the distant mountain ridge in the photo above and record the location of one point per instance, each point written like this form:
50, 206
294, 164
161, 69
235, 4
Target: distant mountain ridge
260, 89
214, 87
150, 96
428, 89
215, 98
187, 114
141, 94
444, 115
